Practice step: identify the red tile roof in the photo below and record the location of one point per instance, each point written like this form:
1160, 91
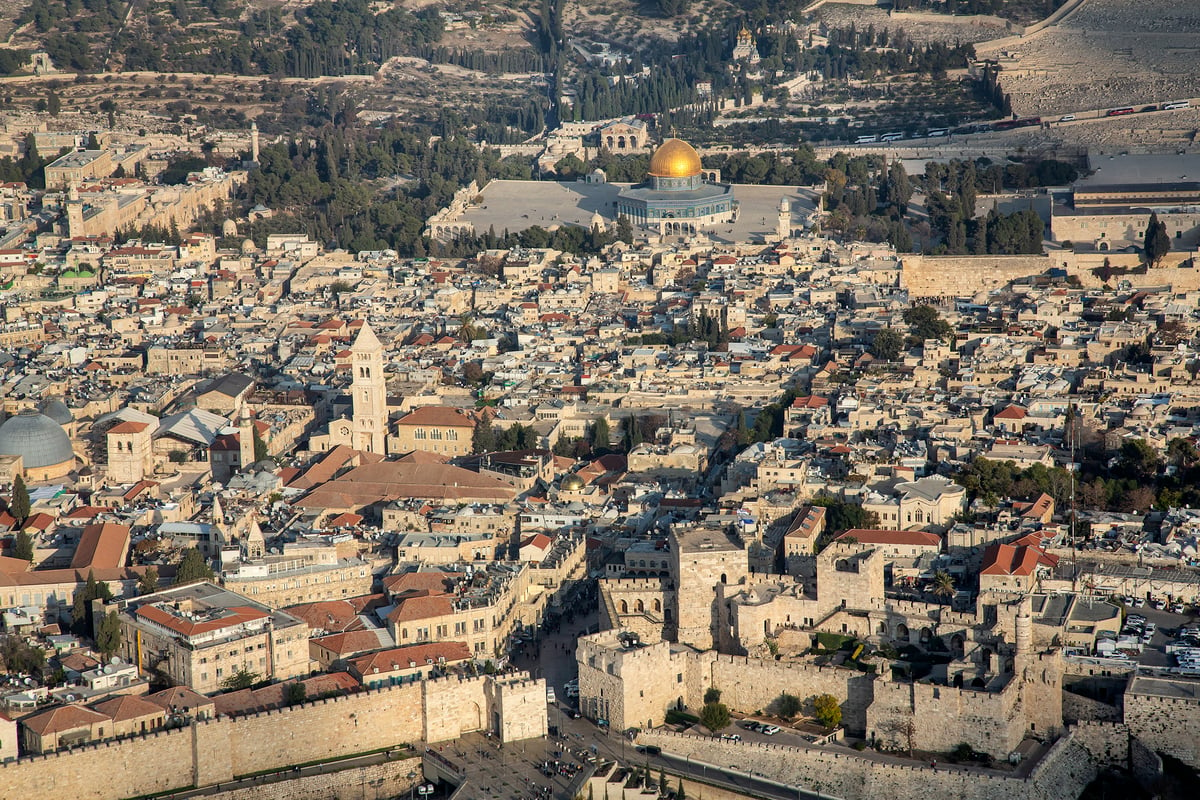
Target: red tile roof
102, 546
129, 427
881, 536
1008, 559
63, 718
400, 658
1012, 412
236, 615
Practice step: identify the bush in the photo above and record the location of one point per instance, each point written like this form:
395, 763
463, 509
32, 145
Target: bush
681, 718
859, 746
827, 710
834, 641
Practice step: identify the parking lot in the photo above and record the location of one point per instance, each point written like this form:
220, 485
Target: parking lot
1166, 625
531, 770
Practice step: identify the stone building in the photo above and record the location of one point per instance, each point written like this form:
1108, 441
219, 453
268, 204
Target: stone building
369, 389
130, 451
279, 581
626, 135
922, 504
200, 635
703, 562
434, 429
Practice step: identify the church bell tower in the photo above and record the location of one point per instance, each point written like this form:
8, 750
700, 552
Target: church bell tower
370, 393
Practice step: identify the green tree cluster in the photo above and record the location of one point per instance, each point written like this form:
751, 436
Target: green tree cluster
926, 323
827, 710
193, 568
887, 344
715, 716
1156, 241
241, 679
18, 506
81, 605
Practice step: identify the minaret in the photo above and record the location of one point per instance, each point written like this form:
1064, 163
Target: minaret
369, 389
74, 212
783, 228
254, 142
245, 439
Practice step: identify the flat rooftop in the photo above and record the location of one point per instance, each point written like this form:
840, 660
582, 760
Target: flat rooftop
1140, 170
1162, 687
702, 539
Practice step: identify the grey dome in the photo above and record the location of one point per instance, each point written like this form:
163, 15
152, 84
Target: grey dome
57, 410
39, 440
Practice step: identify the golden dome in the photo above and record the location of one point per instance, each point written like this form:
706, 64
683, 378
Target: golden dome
572, 483
675, 159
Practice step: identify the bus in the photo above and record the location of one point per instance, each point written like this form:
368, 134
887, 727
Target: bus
1178, 104
866, 140
891, 137
934, 133
1119, 112
1013, 124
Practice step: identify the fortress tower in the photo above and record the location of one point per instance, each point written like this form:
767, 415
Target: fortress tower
703, 560
369, 390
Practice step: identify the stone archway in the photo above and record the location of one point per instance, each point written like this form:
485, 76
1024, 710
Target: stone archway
902, 632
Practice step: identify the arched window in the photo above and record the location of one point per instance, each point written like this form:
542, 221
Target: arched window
640, 607
624, 607
657, 604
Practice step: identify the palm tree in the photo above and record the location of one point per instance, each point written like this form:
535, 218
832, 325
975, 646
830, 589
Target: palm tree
943, 585
467, 330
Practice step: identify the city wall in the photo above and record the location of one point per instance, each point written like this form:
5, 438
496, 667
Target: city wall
1077, 708
222, 749
750, 684
1069, 765
967, 276
373, 782
1168, 725
941, 717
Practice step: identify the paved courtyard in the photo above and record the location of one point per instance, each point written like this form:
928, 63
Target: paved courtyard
516, 205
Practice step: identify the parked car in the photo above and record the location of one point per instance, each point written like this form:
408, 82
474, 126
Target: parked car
770, 730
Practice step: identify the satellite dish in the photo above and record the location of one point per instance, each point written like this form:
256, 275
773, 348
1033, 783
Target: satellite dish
115, 660
70, 698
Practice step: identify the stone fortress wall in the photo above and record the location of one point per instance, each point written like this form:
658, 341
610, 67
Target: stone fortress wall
386, 779
1168, 725
1069, 765
222, 749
